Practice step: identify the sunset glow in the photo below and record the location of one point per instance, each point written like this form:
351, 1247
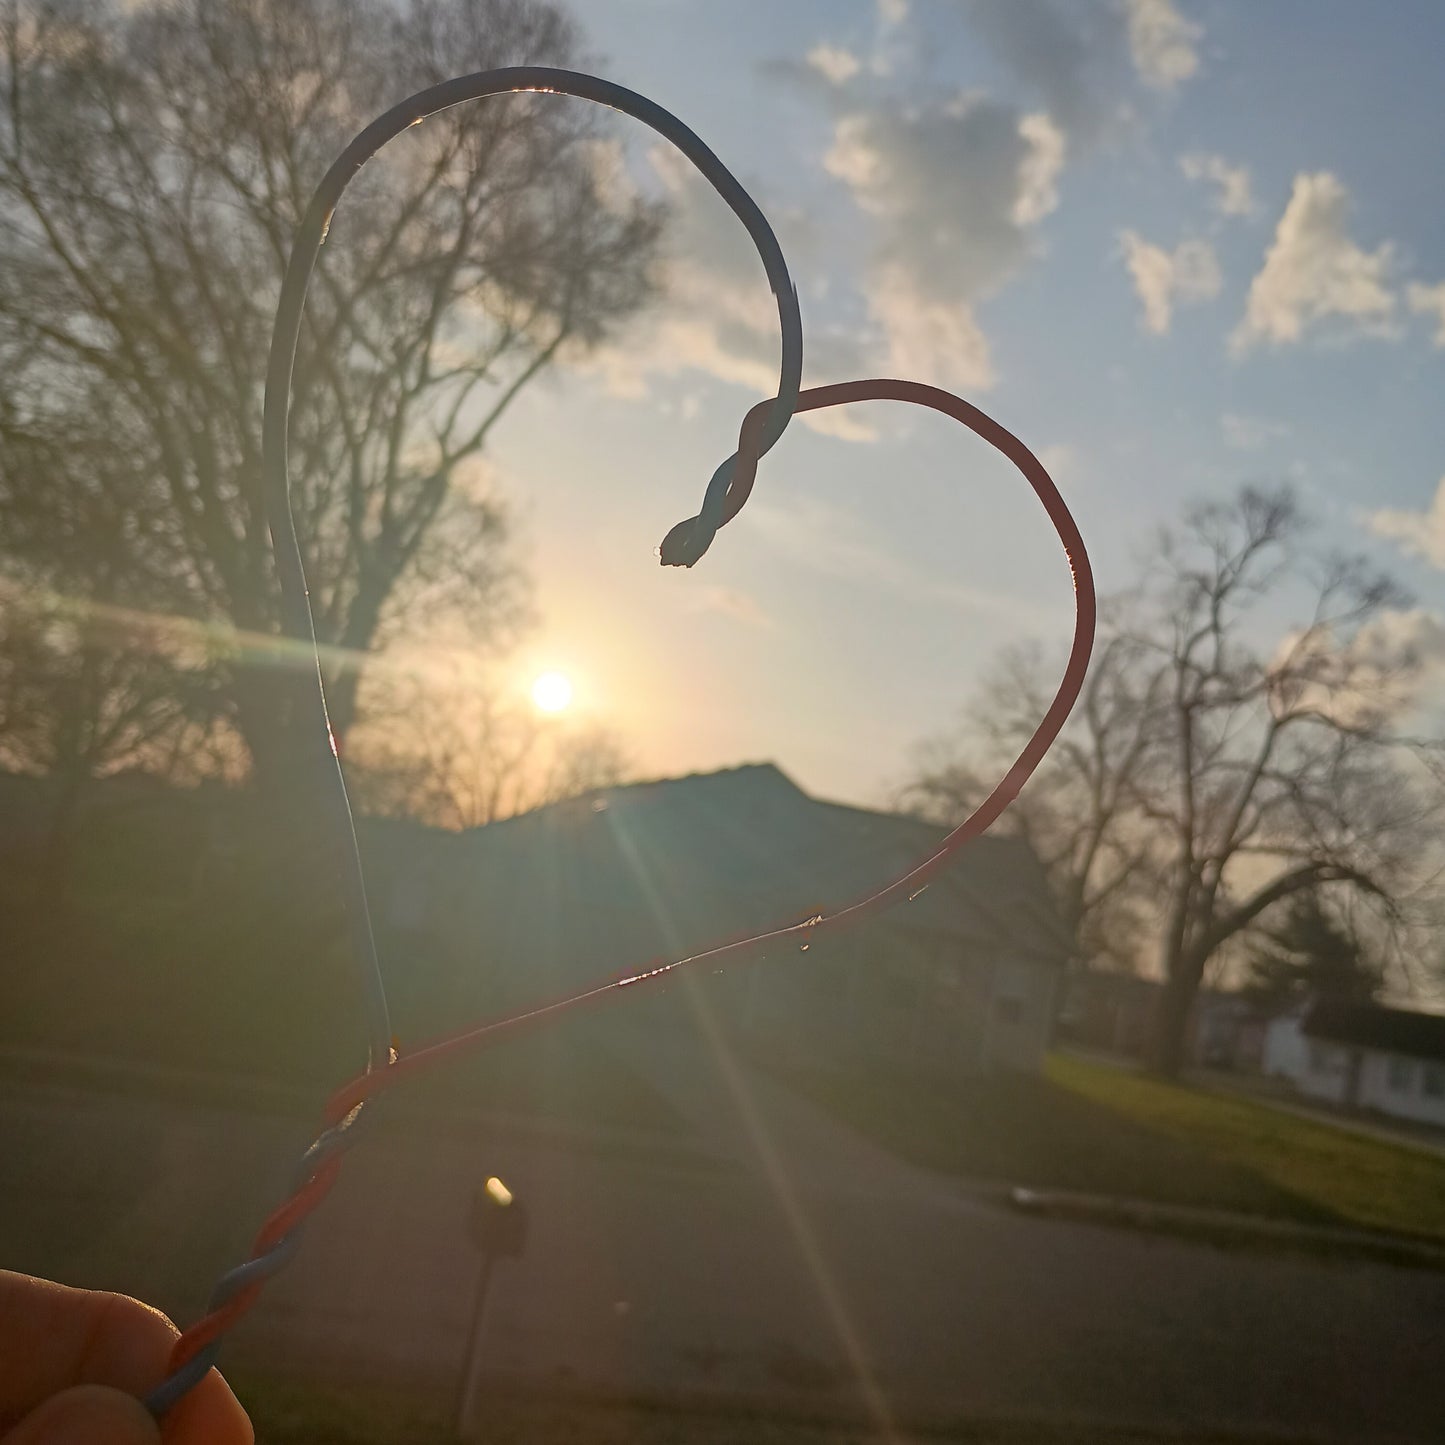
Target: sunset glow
552, 692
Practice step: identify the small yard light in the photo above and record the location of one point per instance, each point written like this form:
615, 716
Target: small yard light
498, 1228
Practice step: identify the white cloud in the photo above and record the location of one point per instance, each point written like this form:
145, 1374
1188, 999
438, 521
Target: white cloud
612, 182
1250, 433
1068, 57
1234, 195
856, 161
927, 339
1371, 676
1401, 638
1429, 301
1163, 279
841, 423
716, 314
1061, 462
1420, 534
1400, 655
1314, 271
834, 64
954, 188
1162, 43
1038, 192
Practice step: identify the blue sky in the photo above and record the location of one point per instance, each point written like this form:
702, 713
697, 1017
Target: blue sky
1174, 245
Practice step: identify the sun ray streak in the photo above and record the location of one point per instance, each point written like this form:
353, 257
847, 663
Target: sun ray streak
172, 633
774, 1170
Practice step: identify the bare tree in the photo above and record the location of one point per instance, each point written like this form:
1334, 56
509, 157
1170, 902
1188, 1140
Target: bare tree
1079, 811
1227, 773
154, 161
88, 691
1282, 771
452, 748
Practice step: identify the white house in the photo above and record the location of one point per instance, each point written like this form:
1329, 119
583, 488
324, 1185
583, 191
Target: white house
1286, 1051
1364, 1056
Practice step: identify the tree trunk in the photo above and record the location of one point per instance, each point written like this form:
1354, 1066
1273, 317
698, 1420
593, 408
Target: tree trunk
343, 679
1183, 973
295, 835
69, 775
59, 851
278, 717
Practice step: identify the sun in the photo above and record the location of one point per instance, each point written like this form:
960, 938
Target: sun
552, 692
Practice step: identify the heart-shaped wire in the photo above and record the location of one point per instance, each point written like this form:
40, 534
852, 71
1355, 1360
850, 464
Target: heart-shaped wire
196, 1350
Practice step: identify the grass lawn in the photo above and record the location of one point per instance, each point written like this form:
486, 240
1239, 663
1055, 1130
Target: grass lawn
1355, 1179
1099, 1130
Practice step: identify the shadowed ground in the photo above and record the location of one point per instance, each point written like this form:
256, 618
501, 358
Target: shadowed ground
756, 1251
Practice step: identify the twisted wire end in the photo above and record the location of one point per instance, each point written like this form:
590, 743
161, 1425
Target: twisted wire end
686, 543
196, 1350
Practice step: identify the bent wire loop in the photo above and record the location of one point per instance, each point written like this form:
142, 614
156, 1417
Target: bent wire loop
197, 1348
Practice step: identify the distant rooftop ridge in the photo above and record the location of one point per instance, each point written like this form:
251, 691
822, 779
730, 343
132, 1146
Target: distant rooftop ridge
755, 773
1376, 1026
766, 775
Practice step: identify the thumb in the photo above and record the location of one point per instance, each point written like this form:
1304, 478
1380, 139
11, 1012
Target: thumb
87, 1415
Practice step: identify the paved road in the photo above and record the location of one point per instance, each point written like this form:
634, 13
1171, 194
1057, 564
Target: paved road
780, 1255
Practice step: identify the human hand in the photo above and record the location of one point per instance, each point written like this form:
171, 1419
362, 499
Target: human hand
74, 1362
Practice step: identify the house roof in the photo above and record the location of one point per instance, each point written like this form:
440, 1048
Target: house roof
663, 869
1369, 1026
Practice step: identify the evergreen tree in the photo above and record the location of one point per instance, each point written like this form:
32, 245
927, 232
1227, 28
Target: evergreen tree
1311, 952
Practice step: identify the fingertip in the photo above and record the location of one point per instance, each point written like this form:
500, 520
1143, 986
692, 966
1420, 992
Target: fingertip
129, 1343
210, 1413
87, 1415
